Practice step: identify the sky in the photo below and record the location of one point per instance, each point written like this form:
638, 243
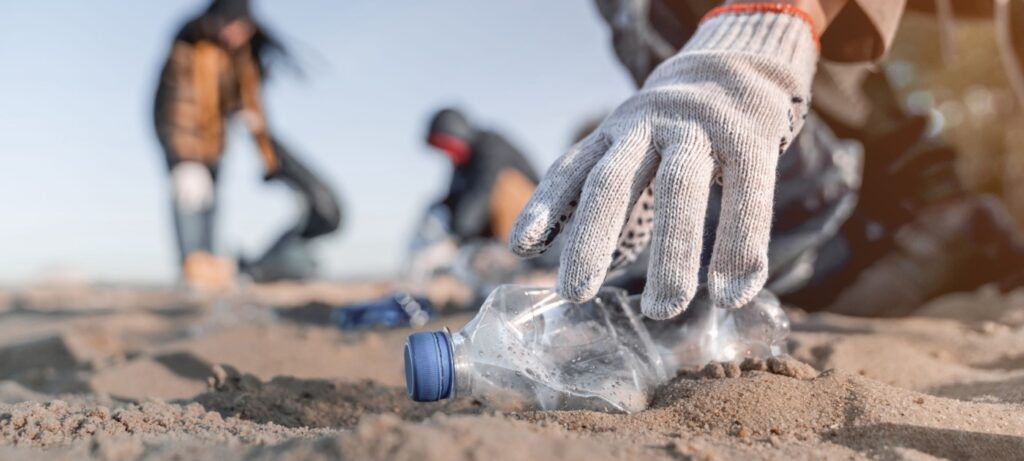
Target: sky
83, 184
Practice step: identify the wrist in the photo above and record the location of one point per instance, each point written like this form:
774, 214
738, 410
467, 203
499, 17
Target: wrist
807, 11
816, 12
772, 29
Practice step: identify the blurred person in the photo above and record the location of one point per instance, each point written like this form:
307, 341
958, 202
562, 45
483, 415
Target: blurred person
465, 234
686, 184
491, 179
216, 68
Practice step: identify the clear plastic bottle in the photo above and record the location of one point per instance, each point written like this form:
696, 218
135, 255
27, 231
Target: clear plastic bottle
704, 333
528, 348
398, 310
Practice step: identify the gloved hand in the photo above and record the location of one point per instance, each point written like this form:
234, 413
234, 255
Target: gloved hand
725, 107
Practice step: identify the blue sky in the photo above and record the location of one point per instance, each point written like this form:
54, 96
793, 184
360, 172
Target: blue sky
83, 184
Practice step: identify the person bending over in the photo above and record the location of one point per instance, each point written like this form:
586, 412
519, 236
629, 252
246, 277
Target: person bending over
215, 70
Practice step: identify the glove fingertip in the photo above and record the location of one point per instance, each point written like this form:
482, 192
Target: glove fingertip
530, 238
577, 289
732, 291
663, 307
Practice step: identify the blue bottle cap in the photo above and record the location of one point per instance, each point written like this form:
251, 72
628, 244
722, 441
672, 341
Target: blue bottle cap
428, 366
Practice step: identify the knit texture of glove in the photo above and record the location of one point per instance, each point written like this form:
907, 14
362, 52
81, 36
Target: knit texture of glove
725, 107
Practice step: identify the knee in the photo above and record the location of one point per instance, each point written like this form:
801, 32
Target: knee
192, 185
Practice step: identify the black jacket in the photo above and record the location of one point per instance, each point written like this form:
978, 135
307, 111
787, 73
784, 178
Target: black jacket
472, 185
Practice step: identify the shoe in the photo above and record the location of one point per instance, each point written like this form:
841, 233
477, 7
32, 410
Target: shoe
205, 272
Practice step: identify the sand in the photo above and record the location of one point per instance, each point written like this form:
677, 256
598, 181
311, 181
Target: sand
119, 373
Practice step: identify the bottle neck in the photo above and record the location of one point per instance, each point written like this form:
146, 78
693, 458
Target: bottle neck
461, 366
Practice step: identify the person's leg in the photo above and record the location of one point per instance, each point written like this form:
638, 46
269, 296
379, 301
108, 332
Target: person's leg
916, 234
193, 187
950, 247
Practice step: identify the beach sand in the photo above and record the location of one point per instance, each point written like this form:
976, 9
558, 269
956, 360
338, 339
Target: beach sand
117, 373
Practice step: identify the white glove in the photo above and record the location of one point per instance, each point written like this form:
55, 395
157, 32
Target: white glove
725, 107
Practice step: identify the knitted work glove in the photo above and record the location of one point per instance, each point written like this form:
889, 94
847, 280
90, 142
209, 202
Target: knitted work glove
725, 107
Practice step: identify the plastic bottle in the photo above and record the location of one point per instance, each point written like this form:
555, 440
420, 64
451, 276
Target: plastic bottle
704, 333
528, 348
399, 310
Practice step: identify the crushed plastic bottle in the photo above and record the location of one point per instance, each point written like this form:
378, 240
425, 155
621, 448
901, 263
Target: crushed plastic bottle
704, 333
528, 348
394, 311
480, 264
430, 251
